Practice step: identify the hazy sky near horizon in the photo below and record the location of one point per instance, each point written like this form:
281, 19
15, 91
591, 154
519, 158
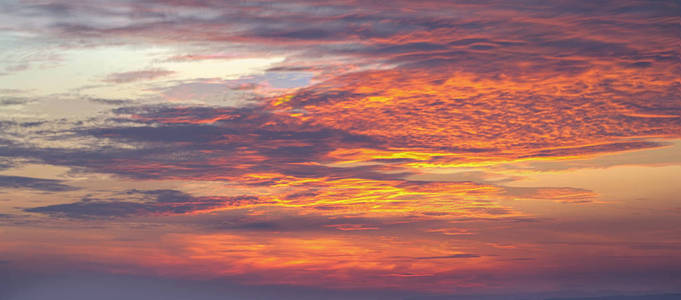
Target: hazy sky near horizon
362, 149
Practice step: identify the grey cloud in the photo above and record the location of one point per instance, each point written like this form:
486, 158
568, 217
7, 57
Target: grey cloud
49, 185
13, 101
110, 101
133, 76
157, 202
92, 209
625, 297
80, 285
463, 255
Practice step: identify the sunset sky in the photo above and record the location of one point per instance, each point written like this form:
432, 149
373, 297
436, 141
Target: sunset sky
431, 149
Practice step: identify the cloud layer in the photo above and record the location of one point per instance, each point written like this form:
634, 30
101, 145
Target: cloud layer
374, 146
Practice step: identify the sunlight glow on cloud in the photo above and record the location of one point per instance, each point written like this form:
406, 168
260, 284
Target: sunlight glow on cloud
436, 147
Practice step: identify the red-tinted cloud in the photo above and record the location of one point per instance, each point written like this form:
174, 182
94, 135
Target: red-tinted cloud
399, 89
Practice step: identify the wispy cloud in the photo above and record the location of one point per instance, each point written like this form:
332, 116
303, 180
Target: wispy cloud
162, 202
132, 76
20, 182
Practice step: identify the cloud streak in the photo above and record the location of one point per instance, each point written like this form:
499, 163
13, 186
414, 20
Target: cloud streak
133, 76
162, 202
48, 185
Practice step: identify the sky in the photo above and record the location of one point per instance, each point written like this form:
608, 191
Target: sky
295, 149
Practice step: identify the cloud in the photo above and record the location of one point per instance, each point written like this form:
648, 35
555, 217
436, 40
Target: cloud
435, 109
559, 194
398, 91
133, 76
20, 182
462, 255
13, 101
282, 219
88, 285
116, 102
161, 202
625, 297
91, 209
543, 91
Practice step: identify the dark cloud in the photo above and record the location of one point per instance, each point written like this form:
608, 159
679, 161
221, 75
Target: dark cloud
13, 101
92, 209
362, 27
265, 141
287, 220
462, 255
111, 101
75, 285
625, 297
158, 202
303, 34
20, 182
5, 163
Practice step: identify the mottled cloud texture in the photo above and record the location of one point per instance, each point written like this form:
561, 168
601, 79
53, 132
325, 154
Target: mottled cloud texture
379, 146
